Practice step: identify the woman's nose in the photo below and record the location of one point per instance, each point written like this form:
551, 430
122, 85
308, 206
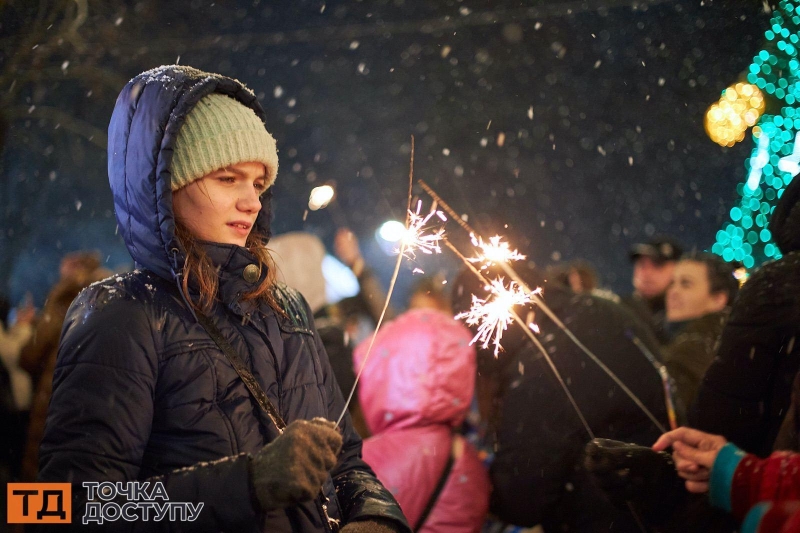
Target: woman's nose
249, 200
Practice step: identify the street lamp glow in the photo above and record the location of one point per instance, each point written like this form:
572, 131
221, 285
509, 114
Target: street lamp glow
392, 231
320, 197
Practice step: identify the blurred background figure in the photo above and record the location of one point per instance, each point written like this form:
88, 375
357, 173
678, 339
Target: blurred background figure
697, 307
38, 357
428, 292
5, 307
579, 275
538, 438
15, 394
653, 265
12, 339
415, 390
361, 312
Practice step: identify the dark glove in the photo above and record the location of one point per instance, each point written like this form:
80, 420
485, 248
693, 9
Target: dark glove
631, 474
373, 526
292, 468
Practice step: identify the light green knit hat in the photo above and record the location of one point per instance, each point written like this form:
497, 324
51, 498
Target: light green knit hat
220, 131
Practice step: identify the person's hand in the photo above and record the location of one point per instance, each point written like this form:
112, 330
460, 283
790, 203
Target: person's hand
694, 453
293, 467
345, 246
26, 313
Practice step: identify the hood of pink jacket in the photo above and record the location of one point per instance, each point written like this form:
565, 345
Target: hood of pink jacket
421, 371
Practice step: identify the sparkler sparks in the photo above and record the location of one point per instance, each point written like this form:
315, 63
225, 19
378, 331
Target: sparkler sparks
493, 314
495, 251
415, 238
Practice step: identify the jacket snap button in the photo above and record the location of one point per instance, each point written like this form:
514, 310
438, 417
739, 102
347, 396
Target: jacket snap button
251, 273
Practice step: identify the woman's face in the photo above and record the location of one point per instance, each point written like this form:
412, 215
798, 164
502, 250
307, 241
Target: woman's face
222, 206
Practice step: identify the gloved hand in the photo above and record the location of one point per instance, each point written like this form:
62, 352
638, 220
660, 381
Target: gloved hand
292, 468
636, 474
372, 526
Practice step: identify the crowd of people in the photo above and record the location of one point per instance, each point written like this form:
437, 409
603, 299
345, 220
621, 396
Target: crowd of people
219, 368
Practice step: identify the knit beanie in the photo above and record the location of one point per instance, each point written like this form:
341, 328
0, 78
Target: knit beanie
220, 131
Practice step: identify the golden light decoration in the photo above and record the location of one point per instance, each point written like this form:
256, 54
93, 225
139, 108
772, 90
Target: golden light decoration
741, 275
739, 107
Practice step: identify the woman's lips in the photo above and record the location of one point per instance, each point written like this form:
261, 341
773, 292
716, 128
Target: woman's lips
241, 228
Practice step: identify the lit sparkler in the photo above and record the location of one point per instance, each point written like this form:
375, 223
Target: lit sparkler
416, 238
493, 314
474, 317
493, 252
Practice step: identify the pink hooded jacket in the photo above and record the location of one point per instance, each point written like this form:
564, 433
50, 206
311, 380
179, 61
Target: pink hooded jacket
416, 387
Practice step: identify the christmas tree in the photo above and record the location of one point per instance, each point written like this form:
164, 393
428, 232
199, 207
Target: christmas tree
775, 159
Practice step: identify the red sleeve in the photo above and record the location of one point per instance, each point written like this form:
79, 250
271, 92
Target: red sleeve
776, 478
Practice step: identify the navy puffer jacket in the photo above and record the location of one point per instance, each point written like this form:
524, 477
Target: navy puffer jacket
141, 391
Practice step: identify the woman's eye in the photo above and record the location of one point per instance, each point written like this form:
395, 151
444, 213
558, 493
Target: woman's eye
260, 186
227, 179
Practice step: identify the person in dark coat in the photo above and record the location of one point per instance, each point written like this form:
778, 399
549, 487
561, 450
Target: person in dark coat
537, 475
746, 391
698, 300
653, 264
141, 389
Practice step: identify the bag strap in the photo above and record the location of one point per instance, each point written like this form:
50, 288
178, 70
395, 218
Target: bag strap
262, 399
247, 377
448, 467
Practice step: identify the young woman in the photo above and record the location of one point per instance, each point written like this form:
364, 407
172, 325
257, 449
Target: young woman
147, 387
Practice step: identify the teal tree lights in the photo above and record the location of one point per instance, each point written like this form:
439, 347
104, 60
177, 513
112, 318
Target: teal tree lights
775, 159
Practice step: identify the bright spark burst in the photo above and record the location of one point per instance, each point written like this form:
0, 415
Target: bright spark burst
493, 314
495, 251
415, 238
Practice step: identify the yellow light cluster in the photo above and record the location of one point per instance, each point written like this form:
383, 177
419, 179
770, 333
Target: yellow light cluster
739, 107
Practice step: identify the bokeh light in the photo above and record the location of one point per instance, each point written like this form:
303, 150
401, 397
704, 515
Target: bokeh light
391, 231
739, 107
746, 238
320, 197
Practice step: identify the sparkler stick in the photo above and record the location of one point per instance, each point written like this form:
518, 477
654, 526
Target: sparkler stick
533, 339
539, 302
403, 245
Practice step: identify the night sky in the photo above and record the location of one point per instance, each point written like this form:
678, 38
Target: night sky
579, 125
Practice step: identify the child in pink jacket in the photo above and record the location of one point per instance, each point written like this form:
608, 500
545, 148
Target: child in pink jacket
415, 391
